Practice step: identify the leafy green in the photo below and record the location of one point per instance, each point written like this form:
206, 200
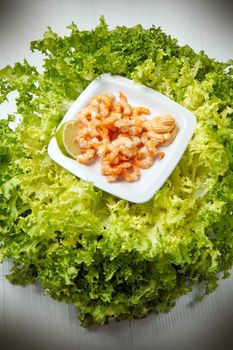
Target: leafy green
110, 258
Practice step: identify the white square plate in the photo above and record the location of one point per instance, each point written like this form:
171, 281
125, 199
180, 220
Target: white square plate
138, 95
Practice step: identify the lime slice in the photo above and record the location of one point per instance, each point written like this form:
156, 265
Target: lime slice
66, 139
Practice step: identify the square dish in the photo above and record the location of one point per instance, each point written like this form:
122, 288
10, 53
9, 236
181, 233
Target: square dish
138, 95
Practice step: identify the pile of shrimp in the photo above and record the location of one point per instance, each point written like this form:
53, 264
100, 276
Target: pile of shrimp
121, 136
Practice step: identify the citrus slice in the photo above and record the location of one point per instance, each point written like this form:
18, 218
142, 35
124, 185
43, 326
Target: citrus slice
66, 139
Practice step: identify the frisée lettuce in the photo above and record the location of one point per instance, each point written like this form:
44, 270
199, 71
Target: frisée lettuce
113, 259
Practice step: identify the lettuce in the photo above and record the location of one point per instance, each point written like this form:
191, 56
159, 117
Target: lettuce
110, 258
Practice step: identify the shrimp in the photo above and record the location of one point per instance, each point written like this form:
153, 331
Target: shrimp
144, 163
92, 131
151, 146
112, 178
83, 138
102, 150
132, 174
84, 142
107, 169
103, 103
87, 113
136, 111
85, 133
159, 154
111, 119
130, 126
115, 108
123, 165
117, 170
123, 145
137, 141
87, 157
123, 123
114, 160
135, 130
126, 108
112, 156
119, 151
104, 134
95, 143
106, 99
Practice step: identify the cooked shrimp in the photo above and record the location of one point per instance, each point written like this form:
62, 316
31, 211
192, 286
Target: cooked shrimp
107, 169
126, 108
137, 141
103, 103
123, 123
116, 108
134, 130
102, 150
120, 150
151, 146
145, 163
87, 113
123, 145
142, 152
124, 165
88, 157
85, 134
84, 142
112, 156
95, 143
130, 126
92, 131
110, 120
103, 134
115, 160
112, 178
132, 174
83, 137
136, 111
106, 99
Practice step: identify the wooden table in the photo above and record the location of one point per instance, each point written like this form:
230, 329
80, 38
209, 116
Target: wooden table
30, 320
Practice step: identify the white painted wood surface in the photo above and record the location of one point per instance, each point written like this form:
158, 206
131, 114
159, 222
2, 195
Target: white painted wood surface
30, 320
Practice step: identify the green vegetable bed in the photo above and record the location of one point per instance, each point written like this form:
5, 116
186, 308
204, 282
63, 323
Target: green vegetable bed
110, 258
